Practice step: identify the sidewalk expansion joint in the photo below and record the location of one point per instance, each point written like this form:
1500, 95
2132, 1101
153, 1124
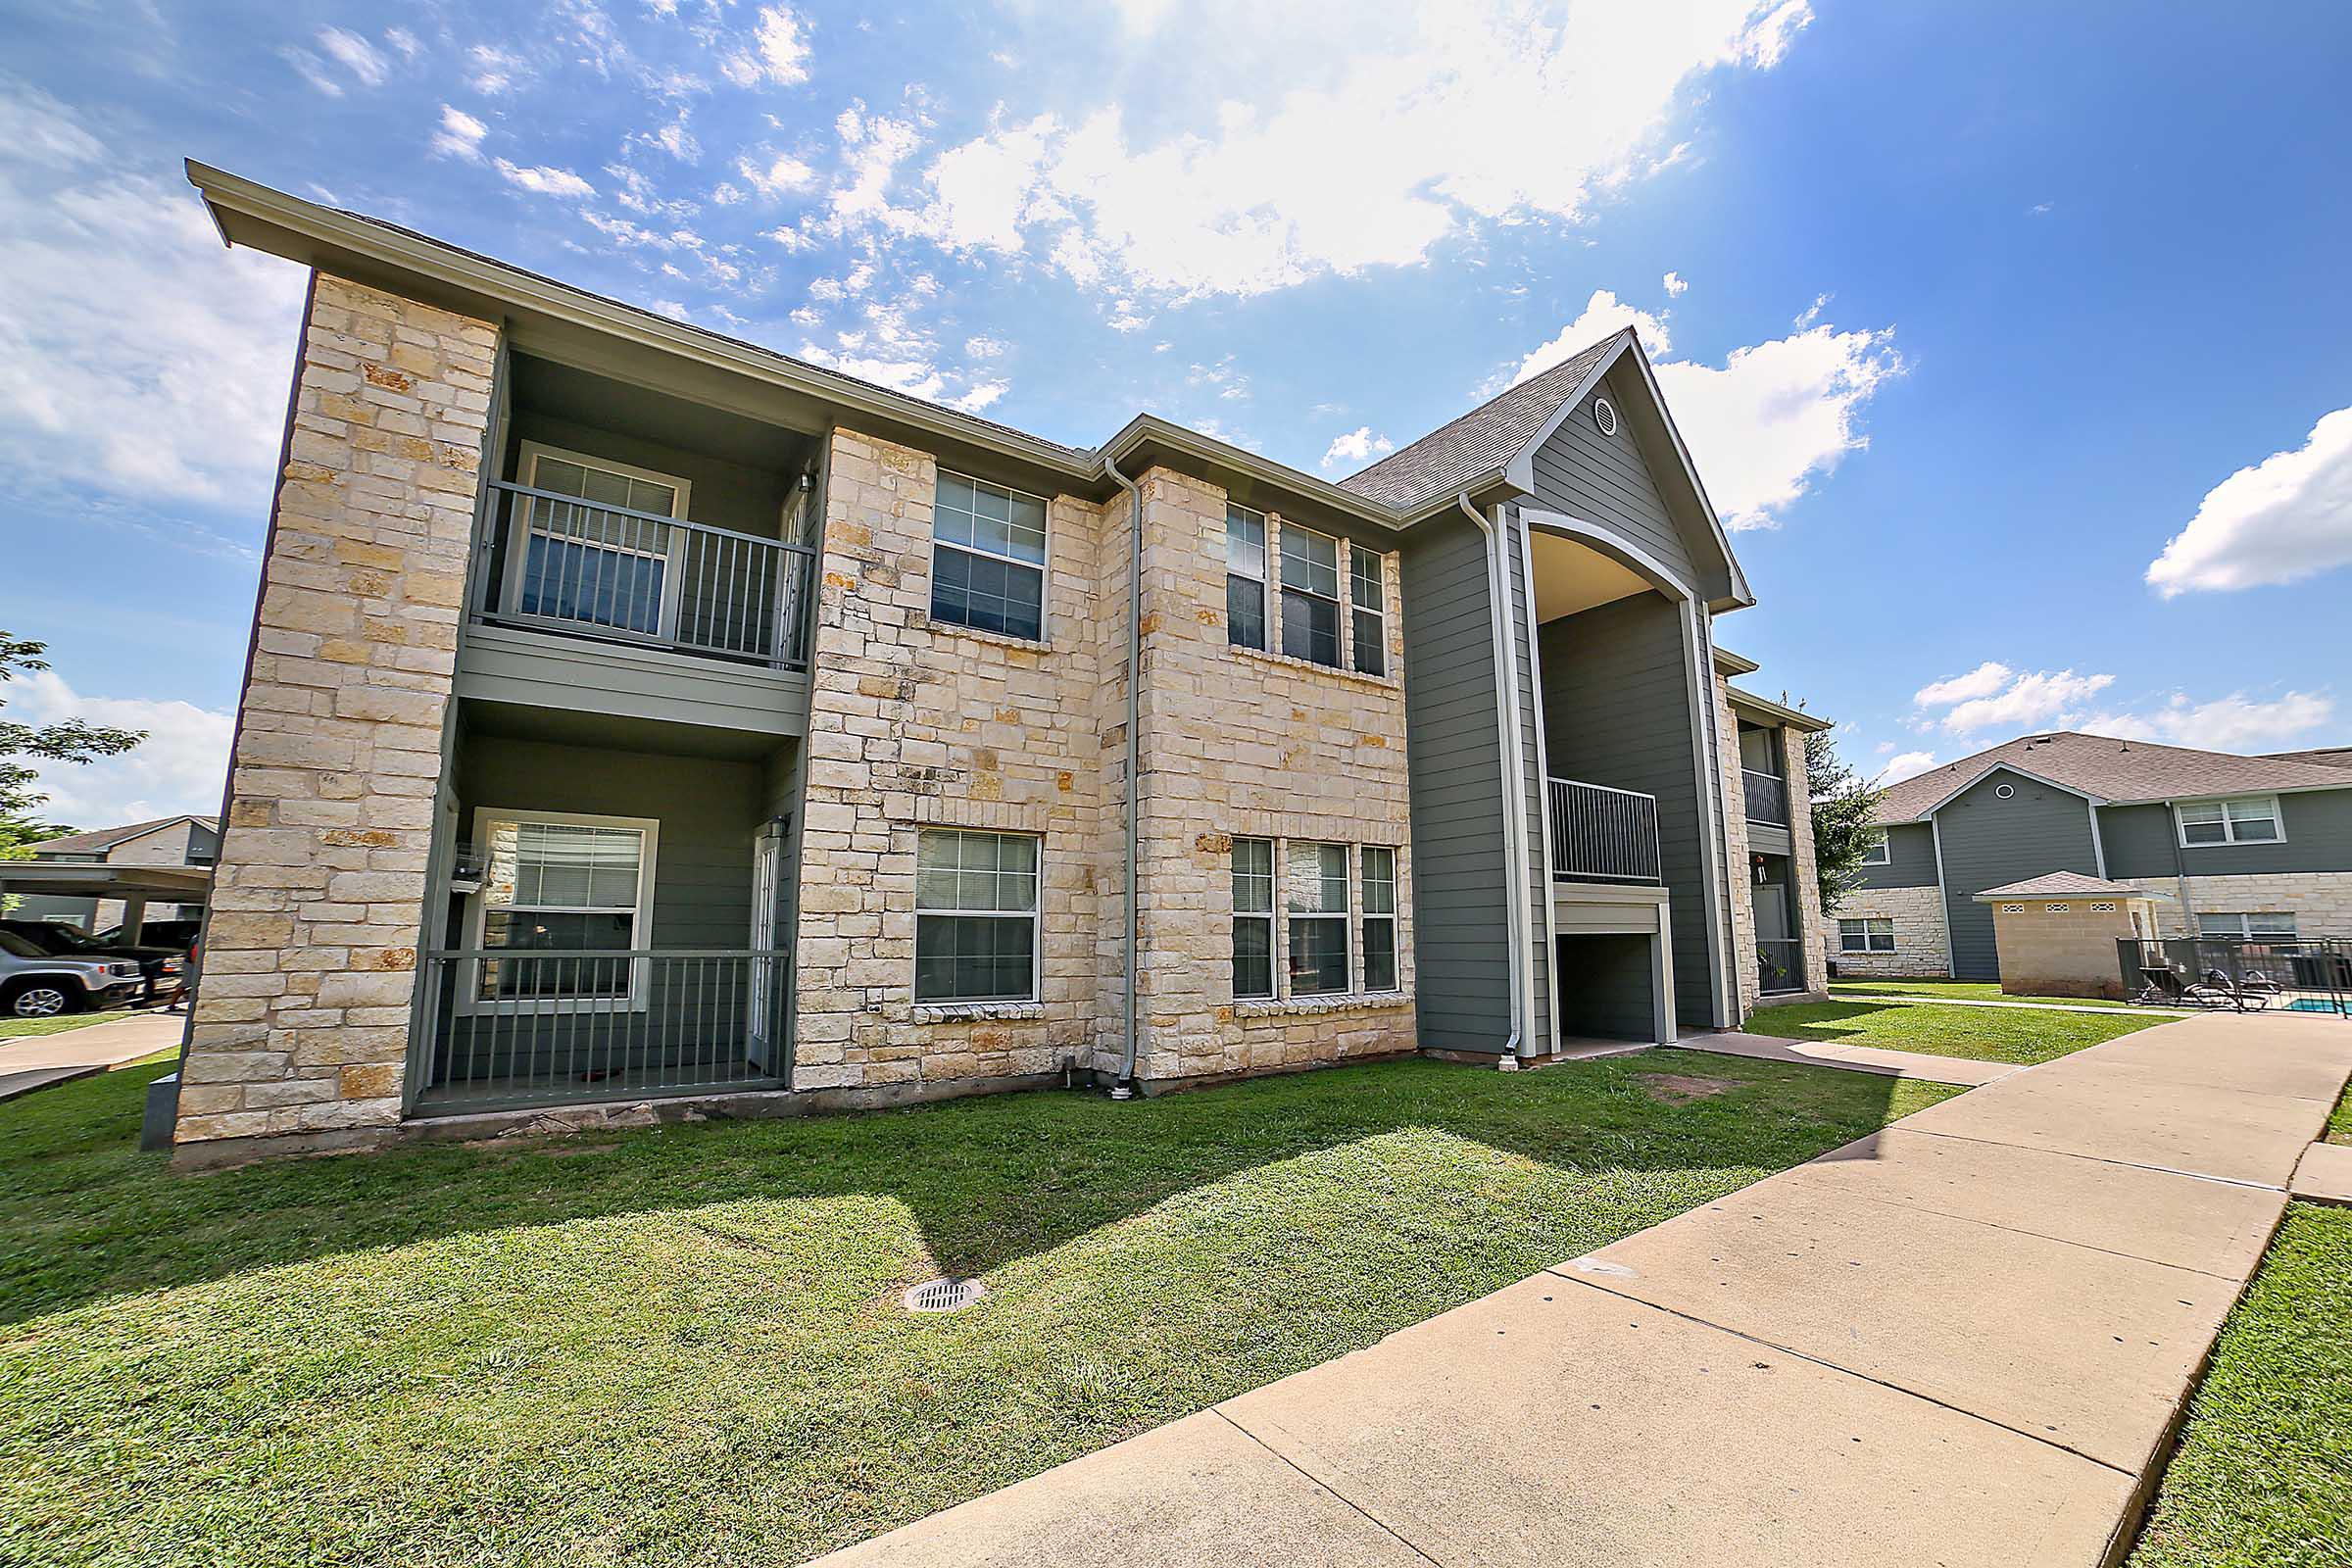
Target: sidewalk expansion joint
1326, 1487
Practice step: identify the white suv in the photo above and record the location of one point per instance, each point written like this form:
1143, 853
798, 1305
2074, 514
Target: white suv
34, 985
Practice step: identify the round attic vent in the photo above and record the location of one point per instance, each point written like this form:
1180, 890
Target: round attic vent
2002, 792
941, 1296
1604, 415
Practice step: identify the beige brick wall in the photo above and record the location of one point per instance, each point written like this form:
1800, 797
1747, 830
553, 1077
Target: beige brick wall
914, 724
2320, 901
302, 1024
1919, 937
2061, 947
1742, 886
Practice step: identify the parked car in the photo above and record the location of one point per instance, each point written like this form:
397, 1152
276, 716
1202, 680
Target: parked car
160, 966
34, 984
178, 935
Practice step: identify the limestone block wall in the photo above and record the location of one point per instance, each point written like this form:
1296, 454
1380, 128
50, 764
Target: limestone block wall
2061, 947
1242, 743
914, 724
302, 1020
1919, 933
1733, 806
2320, 901
1805, 883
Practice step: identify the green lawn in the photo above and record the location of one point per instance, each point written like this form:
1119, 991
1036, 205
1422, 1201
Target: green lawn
2022, 1035
26, 1028
1957, 989
683, 1346
2339, 1120
2263, 1478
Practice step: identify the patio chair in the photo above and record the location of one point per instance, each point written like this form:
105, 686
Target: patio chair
2167, 986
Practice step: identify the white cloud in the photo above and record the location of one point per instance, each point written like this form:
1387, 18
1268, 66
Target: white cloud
2233, 724
1905, 765
404, 42
1358, 445
312, 70
180, 766
674, 139
1414, 131
492, 71
2043, 699
2286, 517
1762, 424
136, 356
776, 177
778, 52
357, 55
1981, 681
543, 181
1674, 285
983, 348
461, 135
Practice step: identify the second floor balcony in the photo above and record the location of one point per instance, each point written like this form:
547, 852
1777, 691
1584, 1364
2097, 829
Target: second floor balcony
1600, 834
590, 568
1767, 797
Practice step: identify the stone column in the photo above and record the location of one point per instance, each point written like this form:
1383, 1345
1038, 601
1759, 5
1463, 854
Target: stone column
1803, 881
302, 1022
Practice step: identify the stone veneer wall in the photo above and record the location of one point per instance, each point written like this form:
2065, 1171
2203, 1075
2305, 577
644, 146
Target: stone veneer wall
1803, 874
2061, 947
913, 724
1742, 888
1817, 938
1919, 940
2320, 901
302, 1018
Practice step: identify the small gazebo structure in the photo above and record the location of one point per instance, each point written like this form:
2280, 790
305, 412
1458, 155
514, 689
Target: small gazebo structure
2056, 933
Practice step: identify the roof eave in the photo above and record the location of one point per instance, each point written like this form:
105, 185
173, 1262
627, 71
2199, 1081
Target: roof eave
1795, 718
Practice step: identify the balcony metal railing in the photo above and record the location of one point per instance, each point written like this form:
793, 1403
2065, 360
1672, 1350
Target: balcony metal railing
561, 564
1767, 795
1780, 964
1600, 834
535, 1027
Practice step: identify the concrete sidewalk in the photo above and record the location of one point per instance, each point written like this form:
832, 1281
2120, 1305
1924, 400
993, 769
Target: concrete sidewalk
40, 1060
1965, 1339
1962, 1070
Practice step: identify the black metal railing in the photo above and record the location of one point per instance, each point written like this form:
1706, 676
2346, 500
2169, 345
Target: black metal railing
1600, 834
535, 1027
1767, 795
1780, 964
561, 564
2250, 974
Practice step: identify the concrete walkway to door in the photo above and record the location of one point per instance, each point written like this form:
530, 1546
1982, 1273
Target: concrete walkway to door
1965, 1339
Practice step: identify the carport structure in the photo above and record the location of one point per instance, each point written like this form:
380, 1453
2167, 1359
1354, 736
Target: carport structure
137, 886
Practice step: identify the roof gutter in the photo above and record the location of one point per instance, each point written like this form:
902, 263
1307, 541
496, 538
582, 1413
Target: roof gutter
1503, 625
1124, 1088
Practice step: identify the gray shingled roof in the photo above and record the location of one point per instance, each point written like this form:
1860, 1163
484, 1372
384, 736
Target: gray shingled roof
2112, 771
2325, 756
1479, 441
99, 840
2066, 884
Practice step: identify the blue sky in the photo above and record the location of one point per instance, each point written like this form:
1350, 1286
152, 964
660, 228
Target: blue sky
2011, 337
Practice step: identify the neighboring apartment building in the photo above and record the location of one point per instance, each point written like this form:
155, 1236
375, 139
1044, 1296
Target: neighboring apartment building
638, 718
183, 840
2223, 845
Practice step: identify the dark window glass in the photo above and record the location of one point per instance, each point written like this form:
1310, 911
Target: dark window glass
555, 932
1310, 627
987, 594
1379, 953
973, 957
1244, 613
1370, 631
1318, 956
1252, 955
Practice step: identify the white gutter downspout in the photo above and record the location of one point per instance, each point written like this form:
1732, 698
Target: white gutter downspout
1124, 1088
1504, 626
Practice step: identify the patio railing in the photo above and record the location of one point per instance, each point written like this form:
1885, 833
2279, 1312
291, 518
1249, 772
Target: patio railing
1780, 964
1767, 795
534, 1026
1600, 834
561, 564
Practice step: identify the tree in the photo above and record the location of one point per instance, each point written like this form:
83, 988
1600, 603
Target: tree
1843, 802
69, 740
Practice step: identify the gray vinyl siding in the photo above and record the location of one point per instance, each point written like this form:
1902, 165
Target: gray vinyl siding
1460, 935
1602, 479
1537, 894
1910, 859
2142, 841
1989, 842
1617, 699
553, 669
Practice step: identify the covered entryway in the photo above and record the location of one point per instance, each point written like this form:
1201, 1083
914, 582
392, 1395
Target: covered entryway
1615, 962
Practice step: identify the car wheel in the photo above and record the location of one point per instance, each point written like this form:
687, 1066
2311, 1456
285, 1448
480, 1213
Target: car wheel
40, 998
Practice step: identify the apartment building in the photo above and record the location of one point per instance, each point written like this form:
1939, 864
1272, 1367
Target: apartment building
642, 724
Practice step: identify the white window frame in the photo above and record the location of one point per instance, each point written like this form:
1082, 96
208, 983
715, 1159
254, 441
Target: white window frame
526, 466
1266, 603
1044, 568
1033, 915
470, 1001
1879, 853
2247, 931
1867, 934
1366, 915
1338, 597
2223, 804
1267, 915
1352, 651
1345, 915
